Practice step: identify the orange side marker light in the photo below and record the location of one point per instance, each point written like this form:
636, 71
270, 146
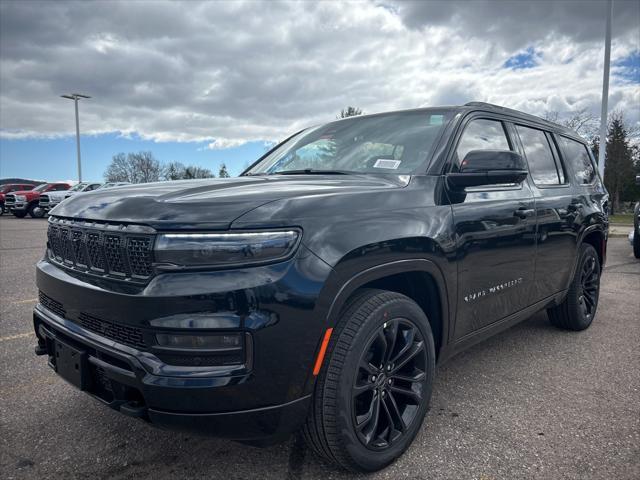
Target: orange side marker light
323, 350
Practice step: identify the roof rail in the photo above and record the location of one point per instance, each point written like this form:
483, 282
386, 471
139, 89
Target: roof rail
519, 113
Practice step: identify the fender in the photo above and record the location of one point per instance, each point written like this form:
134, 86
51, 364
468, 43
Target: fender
583, 234
446, 296
393, 268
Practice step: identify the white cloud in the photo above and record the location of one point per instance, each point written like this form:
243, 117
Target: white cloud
222, 143
226, 73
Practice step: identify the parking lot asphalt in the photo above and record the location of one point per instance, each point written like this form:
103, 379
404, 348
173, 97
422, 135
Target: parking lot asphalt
533, 402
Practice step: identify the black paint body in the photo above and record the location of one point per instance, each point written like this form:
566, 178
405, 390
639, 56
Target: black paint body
483, 269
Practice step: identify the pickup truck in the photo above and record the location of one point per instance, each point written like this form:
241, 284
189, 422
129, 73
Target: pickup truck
12, 187
51, 199
22, 202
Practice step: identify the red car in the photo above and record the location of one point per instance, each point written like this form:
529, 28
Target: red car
22, 202
12, 187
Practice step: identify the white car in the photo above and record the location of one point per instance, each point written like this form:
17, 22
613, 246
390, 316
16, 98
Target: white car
82, 188
113, 184
51, 199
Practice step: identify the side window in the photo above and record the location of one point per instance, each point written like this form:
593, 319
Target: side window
577, 155
60, 187
538, 153
481, 134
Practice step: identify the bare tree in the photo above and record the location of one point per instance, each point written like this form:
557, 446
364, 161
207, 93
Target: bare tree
582, 121
141, 167
193, 171
350, 112
174, 171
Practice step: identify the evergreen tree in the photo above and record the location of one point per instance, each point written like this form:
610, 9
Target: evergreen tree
222, 173
619, 172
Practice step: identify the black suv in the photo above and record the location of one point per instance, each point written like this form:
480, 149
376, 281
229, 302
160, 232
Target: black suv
318, 290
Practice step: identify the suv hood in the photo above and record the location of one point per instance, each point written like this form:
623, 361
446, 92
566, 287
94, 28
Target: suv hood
211, 203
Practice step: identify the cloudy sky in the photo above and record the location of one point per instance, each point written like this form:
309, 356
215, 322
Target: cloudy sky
210, 82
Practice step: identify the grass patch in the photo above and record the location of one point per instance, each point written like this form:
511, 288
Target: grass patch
624, 218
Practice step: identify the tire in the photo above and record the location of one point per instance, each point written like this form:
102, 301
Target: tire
579, 307
35, 211
19, 213
636, 243
356, 342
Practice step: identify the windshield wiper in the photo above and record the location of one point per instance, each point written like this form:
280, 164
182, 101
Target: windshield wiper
312, 171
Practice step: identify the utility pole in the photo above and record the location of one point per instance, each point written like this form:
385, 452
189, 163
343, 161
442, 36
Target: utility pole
75, 97
605, 91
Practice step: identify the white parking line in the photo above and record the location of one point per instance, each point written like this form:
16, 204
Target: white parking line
14, 337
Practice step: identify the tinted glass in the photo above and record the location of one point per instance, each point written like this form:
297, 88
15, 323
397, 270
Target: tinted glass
538, 153
577, 155
482, 134
389, 143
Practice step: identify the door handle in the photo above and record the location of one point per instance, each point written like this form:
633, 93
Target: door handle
523, 212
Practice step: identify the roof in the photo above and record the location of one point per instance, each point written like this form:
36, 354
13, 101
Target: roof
516, 113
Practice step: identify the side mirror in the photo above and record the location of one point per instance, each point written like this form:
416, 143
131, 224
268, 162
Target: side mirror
488, 167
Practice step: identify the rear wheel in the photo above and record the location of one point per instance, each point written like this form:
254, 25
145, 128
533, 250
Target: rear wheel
578, 309
35, 211
372, 395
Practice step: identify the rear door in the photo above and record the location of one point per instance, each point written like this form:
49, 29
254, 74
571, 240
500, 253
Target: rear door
556, 210
495, 229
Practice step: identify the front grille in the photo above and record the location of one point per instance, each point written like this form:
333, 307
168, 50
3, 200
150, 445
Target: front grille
124, 334
107, 249
10, 200
50, 304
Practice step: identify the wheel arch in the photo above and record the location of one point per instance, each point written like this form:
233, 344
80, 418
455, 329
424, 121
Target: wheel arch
595, 236
404, 276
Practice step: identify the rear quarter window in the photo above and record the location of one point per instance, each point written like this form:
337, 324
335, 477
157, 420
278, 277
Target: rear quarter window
576, 156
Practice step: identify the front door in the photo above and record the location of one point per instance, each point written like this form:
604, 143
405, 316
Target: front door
495, 228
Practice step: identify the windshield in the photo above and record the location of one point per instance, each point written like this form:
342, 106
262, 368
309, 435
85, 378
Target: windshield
41, 187
77, 187
388, 143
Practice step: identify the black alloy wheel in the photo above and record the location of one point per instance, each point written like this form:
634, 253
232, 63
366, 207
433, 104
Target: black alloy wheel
374, 388
578, 309
590, 282
389, 383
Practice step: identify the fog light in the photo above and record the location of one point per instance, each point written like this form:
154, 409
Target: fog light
206, 342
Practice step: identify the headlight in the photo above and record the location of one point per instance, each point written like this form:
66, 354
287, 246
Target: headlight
224, 249
21, 198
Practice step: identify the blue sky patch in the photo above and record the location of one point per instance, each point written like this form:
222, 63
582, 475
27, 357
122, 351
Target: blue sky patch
628, 68
527, 59
55, 159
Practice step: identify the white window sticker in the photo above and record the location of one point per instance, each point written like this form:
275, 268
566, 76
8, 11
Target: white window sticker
387, 163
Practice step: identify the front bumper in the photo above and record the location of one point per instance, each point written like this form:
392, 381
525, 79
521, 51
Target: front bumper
263, 400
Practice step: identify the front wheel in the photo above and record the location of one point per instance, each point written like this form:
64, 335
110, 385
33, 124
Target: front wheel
19, 213
35, 211
374, 390
579, 307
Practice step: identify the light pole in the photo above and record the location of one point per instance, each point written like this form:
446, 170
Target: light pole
75, 97
605, 91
